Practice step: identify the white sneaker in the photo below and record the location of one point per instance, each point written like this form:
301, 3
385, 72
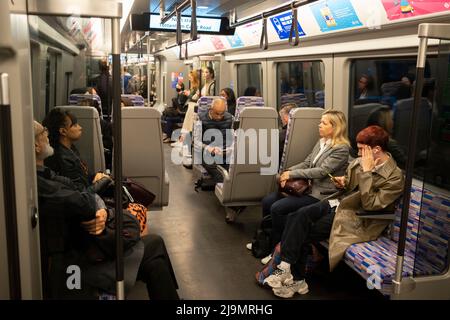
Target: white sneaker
279, 278
249, 246
177, 144
266, 259
289, 290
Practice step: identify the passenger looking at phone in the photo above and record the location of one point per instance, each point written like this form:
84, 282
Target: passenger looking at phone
373, 182
217, 118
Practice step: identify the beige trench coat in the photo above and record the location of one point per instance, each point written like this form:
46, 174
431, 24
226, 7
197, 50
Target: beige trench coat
377, 190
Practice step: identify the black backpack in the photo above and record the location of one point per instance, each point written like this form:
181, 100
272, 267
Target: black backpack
262, 240
205, 184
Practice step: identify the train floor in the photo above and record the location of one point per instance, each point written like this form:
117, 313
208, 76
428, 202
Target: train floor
209, 256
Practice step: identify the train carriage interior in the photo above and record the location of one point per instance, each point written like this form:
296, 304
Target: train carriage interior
205, 108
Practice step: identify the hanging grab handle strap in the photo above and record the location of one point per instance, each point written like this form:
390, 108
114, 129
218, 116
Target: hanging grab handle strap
264, 43
294, 28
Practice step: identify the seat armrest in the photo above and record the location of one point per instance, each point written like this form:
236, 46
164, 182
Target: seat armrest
223, 172
379, 215
327, 193
332, 195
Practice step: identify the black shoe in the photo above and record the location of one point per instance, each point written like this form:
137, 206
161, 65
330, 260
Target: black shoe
188, 166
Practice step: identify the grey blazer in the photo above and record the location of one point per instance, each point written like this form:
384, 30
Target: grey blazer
333, 160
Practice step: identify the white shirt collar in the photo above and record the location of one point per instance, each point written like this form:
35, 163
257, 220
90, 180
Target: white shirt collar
324, 142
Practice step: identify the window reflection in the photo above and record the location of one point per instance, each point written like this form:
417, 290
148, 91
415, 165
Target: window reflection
301, 82
382, 94
249, 80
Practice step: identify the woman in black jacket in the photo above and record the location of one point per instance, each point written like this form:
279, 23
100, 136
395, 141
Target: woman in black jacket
63, 131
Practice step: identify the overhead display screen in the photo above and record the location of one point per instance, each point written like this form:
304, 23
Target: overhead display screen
205, 25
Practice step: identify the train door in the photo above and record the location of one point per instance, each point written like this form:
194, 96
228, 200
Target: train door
213, 62
19, 235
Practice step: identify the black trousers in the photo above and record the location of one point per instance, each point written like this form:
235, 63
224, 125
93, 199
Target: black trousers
156, 270
214, 172
305, 226
279, 207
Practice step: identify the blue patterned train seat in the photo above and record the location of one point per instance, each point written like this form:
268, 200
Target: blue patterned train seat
286, 142
244, 102
74, 99
426, 245
205, 102
298, 98
137, 100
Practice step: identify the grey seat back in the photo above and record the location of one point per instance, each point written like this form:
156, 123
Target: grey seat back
359, 116
245, 185
301, 135
90, 144
142, 151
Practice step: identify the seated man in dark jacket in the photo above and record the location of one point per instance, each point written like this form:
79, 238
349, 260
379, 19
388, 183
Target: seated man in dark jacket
216, 122
69, 222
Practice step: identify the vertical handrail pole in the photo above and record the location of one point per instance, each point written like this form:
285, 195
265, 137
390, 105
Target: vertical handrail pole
420, 74
117, 125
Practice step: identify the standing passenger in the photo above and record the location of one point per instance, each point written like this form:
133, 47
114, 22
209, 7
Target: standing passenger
209, 88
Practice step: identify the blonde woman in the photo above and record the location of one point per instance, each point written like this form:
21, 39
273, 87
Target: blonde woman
329, 156
193, 95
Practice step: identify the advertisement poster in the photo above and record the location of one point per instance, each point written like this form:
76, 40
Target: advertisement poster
217, 43
335, 15
282, 24
399, 9
235, 41
175, 78
250, 33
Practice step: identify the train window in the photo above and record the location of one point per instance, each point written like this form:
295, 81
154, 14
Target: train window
249, 80
381, 93
301, 82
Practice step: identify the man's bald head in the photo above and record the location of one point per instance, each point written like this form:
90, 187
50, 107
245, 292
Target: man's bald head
218, 108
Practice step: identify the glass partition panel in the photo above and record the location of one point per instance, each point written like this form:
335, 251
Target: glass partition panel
71, 66
249, 80
381, 94
301, 82
432, 251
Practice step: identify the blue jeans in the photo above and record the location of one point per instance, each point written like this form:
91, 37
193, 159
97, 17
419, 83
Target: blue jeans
279, 207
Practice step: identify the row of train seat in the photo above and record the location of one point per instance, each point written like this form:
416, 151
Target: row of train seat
74, 99
426, 249
142, 148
